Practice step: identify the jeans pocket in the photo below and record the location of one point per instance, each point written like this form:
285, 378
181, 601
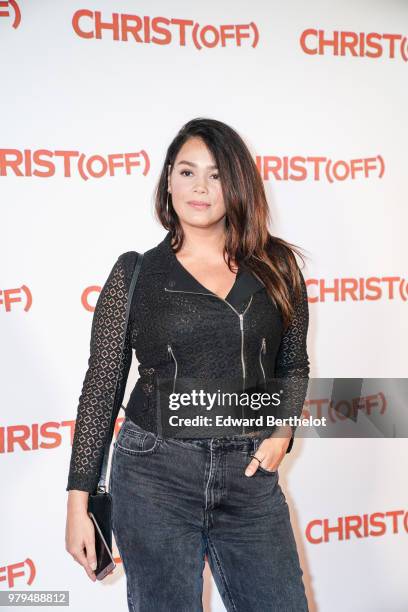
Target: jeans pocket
133, 440
268, 472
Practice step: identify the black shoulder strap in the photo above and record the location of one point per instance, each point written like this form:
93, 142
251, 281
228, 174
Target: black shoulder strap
102, 480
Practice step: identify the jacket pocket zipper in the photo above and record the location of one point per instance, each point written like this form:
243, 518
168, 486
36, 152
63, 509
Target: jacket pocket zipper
262, 350
170, 352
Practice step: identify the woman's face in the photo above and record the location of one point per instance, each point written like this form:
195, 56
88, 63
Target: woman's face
192, 180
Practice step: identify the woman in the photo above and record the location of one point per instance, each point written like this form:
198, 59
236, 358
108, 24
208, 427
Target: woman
220, 305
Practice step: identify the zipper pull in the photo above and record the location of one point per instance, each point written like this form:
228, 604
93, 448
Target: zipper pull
241, 322
263, 346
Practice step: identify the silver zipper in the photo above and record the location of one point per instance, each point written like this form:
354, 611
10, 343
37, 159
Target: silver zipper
170, 350
241, 327
262, 350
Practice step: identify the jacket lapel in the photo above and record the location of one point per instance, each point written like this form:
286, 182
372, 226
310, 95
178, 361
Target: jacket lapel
177, 278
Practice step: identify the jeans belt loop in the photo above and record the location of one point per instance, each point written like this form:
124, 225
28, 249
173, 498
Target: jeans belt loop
255, 444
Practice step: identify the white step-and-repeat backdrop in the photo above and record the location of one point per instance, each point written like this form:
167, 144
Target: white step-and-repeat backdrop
91, 95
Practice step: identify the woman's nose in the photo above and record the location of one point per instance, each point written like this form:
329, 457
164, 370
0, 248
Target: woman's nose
200, 186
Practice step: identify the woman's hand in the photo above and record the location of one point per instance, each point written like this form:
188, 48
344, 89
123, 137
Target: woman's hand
271, 451
80, 532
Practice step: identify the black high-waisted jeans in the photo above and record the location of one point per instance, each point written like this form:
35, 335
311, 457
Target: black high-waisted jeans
177, 500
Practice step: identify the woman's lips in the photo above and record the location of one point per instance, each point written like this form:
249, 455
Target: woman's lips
198, 205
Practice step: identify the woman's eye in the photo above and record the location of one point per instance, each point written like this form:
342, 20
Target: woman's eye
183, 171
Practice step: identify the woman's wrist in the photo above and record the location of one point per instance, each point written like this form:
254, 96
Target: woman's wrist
78, 500
284, 431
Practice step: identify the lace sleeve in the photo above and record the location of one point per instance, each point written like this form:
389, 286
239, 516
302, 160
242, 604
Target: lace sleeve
292, 362
106, 366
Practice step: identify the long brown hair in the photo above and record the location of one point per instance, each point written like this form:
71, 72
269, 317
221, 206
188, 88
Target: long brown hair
248, 240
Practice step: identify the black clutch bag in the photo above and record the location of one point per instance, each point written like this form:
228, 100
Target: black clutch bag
100, 502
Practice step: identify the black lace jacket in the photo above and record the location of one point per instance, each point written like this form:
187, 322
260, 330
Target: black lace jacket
179, 329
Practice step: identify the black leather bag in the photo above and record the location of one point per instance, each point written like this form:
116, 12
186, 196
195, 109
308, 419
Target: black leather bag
100, 502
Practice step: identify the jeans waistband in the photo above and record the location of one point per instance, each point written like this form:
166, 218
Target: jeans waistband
231, 442
249, 444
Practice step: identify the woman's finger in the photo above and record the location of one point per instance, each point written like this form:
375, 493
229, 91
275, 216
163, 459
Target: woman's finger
82, 560
253, 465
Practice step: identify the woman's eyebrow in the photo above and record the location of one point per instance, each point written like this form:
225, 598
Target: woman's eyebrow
183, 161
